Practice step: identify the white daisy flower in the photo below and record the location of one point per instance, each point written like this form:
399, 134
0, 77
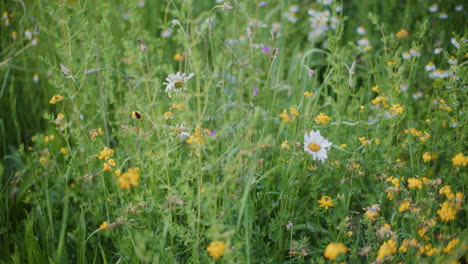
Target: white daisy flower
406, 55
430, 66
433, 8
458, 8
361, 30
404, 86
438, 50
414, 52
316, 145
443, 16
417, 95
176, 82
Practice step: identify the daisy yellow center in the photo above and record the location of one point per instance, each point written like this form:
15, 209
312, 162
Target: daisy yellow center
179, 84
314, 147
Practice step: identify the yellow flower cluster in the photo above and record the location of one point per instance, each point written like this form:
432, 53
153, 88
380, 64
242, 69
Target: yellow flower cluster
460, 160
55, 99
402, 34
178, 106
106, 153
322, 119
59, 119
93, 133
386, 249
397, 109
129, 178
333, 250
291, 116
308, 94
404, 206
451, 245
417, 133
448, 211
216, 249
372, 212
198, 136
415, 183
168, 115
380, 99
326, 202
428, 249
104, 225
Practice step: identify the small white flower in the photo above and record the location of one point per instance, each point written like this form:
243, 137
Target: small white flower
414, 52
433, 8
363, 42
417, 95
438, 50
176, 82
361, 30
452, 60
458, 8
430, 66
316, 145
455, 43
406, 55
404, 86
36, 77
443, 16
28, 34
327, 2
167, 33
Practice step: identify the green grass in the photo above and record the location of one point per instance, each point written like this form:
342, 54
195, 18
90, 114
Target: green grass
235, 179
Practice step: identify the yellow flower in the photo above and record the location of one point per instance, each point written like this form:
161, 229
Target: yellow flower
63, 150
425, 137
372, 212
93, 133
293, 111
414, 183
427, 157
402, 34
333, 250
422, 231
129, 178
44, 161
460, 160
343, 146
391, 63
104, 226
285, 116
326, 201
168, 115
451, 245
178, 106
59, 119
107, 166
308, 94
404, 206
386, 249
375, 89
55, 99
447, 190
285, 146
379, 99
397, 109
377, 141
216, 249
322, 119
178, 57
198, 135
447, 212
105, 153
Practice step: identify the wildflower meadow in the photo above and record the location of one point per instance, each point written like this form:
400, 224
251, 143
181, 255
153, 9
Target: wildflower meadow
210, 131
